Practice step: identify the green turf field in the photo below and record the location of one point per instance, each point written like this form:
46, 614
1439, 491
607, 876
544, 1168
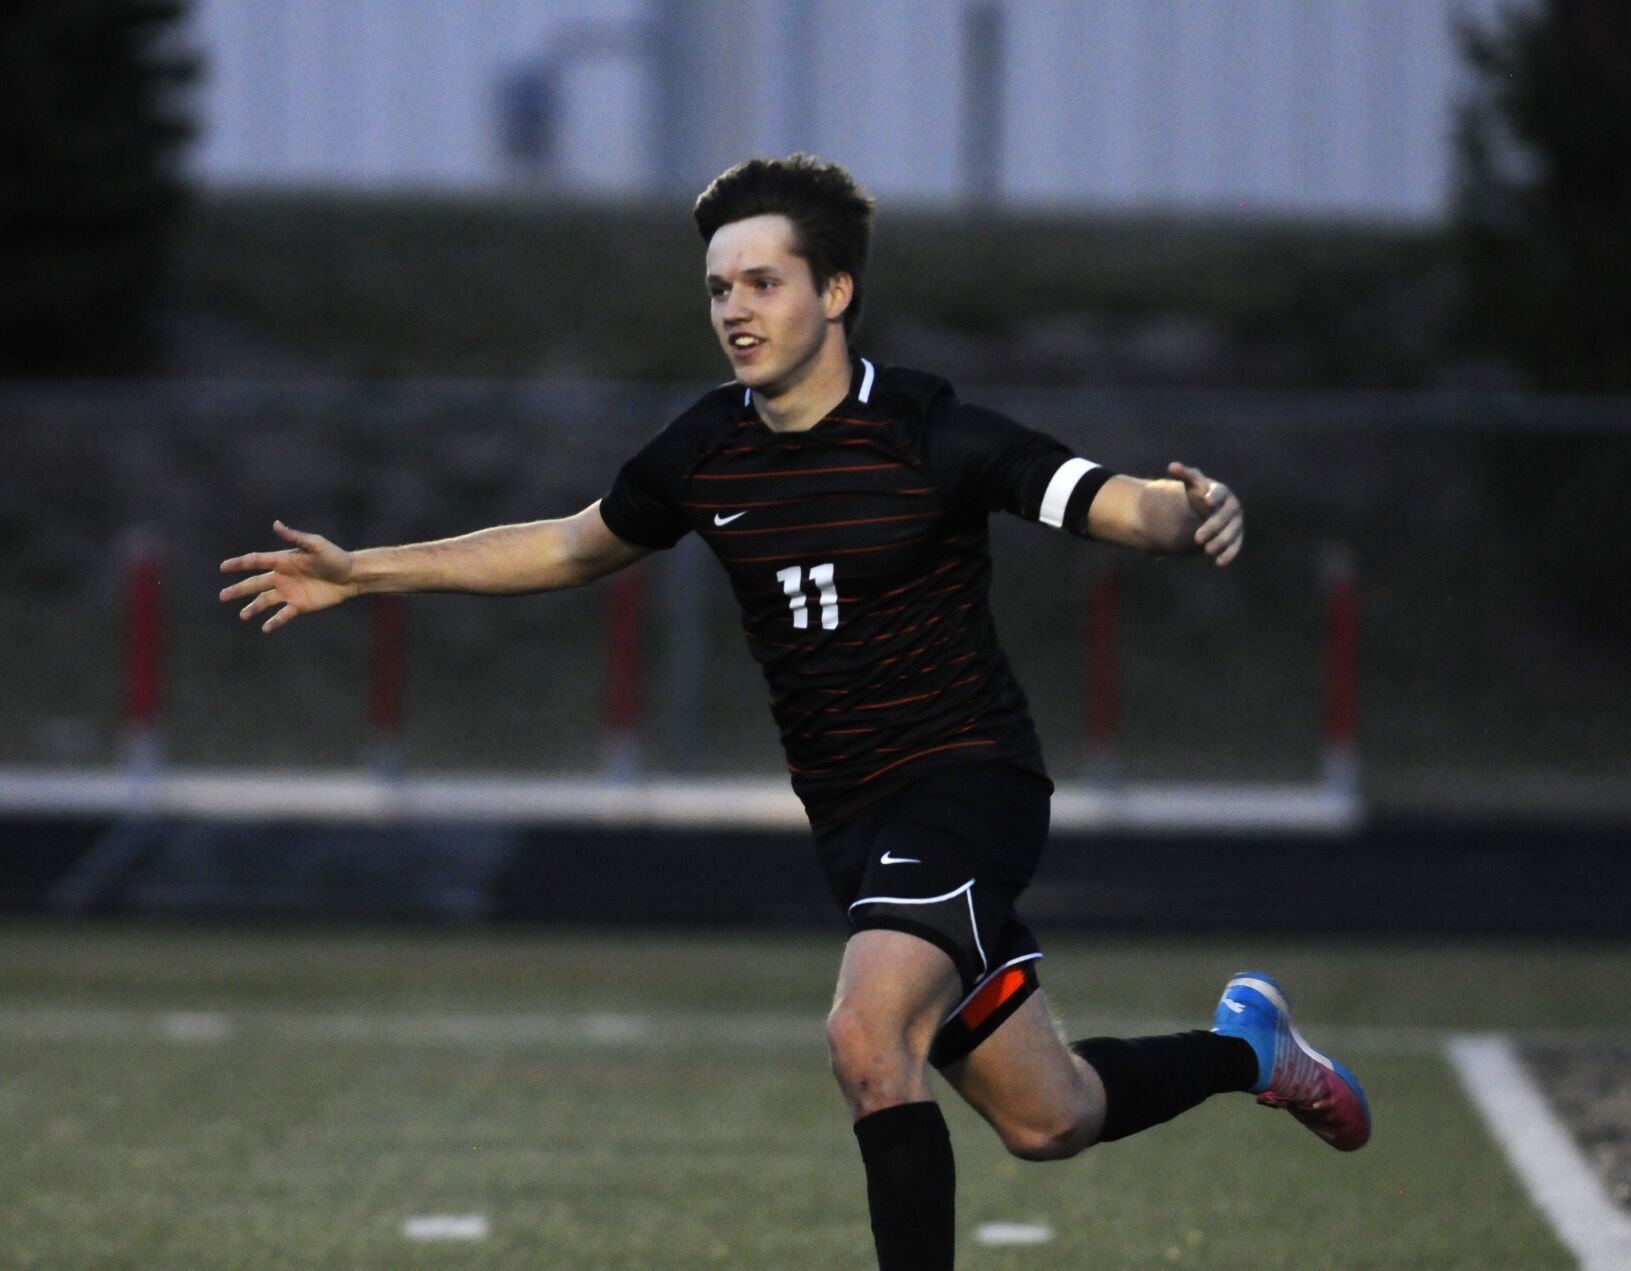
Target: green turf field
191, 1098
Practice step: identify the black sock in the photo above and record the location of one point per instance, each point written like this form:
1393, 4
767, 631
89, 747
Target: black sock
1148, 1080
911, 1186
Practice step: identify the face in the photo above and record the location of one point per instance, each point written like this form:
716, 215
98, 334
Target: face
766, 311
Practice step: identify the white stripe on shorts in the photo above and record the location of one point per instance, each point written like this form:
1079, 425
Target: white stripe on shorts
914, 900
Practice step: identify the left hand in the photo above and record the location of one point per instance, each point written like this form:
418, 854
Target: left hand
1223, 522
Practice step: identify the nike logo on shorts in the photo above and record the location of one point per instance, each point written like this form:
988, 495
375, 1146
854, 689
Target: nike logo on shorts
726, 520
889, 859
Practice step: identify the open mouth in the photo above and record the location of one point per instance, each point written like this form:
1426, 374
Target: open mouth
742, 343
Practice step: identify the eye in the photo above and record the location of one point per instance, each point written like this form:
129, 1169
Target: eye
764, 284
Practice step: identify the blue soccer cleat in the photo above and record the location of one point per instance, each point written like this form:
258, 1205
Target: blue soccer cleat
1314, 1088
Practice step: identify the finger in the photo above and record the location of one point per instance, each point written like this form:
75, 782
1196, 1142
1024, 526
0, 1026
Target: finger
1197, 482
1225, 536
1227, 509
301, 539
286, 614
254, 560
260, 604
249, 587
1227, 512
1233, 550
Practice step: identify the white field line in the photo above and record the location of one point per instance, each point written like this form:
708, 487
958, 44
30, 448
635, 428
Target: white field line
460, 1030
446, 1227
326, 796
607, 1029
195, 1026
1013, 1233
1542, 1153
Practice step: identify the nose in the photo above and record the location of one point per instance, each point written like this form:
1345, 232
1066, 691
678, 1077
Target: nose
733, 308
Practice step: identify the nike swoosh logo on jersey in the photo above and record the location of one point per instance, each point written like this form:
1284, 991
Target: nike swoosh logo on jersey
888, 859
726, 520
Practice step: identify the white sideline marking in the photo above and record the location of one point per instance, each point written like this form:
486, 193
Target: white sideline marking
1545, 1158
341, 797
1013, 1233
540, 1030
617, 1029
446, 1227
761, 1030
196, 1026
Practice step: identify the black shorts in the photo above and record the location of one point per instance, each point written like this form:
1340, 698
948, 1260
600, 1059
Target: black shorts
944, 858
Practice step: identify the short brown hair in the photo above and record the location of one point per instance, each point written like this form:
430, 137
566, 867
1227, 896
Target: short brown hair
831, 214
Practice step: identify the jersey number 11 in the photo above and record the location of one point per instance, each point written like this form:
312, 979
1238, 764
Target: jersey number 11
792, 580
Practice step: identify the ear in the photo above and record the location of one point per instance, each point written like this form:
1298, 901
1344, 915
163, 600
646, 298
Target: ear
840, 291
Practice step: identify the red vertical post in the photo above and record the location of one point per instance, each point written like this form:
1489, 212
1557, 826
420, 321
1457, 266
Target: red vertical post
387, 675
625, 597
1102, 675
143, 653
1341, 759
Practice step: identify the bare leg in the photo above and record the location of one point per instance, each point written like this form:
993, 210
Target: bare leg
893, 991
1048, 1101
1044, 1102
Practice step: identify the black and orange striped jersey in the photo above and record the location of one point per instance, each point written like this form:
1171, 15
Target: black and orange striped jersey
858, 552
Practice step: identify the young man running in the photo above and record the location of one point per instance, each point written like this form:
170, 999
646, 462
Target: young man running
848, 504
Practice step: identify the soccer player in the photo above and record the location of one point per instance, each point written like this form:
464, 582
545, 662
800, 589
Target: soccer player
848, 505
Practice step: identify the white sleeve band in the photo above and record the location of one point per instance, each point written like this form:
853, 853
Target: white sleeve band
1060, 488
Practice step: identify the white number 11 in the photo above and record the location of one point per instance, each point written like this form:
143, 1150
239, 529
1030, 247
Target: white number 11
792, 580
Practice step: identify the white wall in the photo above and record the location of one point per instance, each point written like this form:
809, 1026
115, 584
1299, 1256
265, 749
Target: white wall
1320, 105
1326, 106
399, 92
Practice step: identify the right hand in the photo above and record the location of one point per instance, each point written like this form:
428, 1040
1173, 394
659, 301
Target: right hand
311, 575
1222, 531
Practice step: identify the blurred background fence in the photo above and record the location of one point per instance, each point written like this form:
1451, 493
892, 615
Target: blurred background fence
1484, 679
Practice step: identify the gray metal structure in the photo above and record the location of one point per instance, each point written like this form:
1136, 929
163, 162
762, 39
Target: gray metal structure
1331, 107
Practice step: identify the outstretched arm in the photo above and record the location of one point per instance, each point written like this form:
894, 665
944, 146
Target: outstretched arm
314, 574
1188, 513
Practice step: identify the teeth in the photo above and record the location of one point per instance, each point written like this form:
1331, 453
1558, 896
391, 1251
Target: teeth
743, 341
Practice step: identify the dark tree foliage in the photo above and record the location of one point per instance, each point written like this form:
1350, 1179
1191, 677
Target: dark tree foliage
1545, 227
1545, 190
91, 131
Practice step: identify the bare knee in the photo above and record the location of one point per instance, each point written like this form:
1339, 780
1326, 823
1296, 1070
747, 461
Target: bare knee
1051, 1140
875, 1066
